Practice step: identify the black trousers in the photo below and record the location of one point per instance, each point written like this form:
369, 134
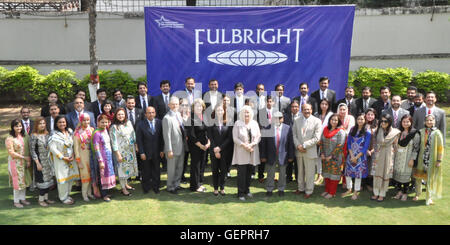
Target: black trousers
42, 192
139, 164
291, 167
151, 174
197, 156
203, 164
244, 177
261, 168
219, 171
186, 158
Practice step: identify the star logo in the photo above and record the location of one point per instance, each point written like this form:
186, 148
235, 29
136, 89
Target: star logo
165, 23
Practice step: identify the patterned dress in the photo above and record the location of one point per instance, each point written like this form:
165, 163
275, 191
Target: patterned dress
103, 155
357, 145
83, 154
61, 145
40, 151
123, 139
402, 172
332, 169
19, 174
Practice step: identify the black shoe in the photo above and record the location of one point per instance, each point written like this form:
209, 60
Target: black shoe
280, 193
156, 191
77, 188
174, 192
180, 188
269, 194
145, 192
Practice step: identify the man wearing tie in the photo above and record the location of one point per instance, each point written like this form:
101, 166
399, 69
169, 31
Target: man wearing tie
281, 102
365, 102
50, 120
118, 101
430, 108
289, 119
280, 143
384, 103
174, 145
97, 105
134, 114
396, 111
307, 131
418, 103
211, 99
143, 99
265, 122
27, 123
151, 148
74, 117
324, 92
409, 102
304, 98
239, 98
161, 102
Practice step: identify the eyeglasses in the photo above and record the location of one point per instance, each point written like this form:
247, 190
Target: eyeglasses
184, 105
384, 121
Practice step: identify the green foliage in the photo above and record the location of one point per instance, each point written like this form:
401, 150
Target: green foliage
438, 82
62, 82
23, 81
398, 79
111, 80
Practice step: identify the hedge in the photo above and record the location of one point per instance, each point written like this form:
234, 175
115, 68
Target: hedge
32, 87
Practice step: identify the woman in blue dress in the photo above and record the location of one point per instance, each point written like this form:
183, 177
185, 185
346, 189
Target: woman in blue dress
356, 167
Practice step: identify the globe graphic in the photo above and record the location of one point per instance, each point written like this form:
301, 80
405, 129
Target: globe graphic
247, 57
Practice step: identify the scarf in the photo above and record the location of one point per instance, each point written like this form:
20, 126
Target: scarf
427, 151
328, 135
405, 141
83, 134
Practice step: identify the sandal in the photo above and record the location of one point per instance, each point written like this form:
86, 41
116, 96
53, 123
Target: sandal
48, 201
328, 196
106, 199
324, 193
18, 205
404, 197
380, 200
373, 198
25, 202
128, 194
68, 202
216, 193
43, 204
399, 194
130, 188
416, 198
355, 196
348, 192
222, 193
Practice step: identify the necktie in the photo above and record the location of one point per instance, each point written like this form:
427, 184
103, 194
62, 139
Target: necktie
166, 101
269, 115
144, 104
131, 117
365, 105
27, 128
152, 127
321, 95
303, 101
429, 111
395, 118
278, 139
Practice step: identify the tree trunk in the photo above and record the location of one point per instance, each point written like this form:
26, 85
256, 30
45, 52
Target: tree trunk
94, 85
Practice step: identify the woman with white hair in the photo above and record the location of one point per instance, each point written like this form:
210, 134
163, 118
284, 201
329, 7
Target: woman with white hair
246, 136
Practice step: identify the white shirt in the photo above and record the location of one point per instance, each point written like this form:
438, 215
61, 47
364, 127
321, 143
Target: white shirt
239, 103
429, 109
151, 123
26, 124
142, 100
52, 123
213, 98
261, 102
303, 99
323, 94
166, 97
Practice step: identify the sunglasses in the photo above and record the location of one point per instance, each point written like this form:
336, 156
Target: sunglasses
384, 121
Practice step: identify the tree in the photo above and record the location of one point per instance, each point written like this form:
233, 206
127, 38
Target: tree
94, 85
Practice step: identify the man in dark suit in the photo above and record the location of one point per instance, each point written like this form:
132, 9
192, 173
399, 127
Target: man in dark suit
430, 108
161, 102
305, 98
143, 99
52, 98
189, 92
74, 116
280, 101
265, 122
289, 119
213, 96
26, 121
151, 148
418, 103
79, 94
239, 98
133, 114
411, 92
349, 101
383, 103
324, 92
50, 120
276, 150
118, 101
395, 111
97, 105
365, 102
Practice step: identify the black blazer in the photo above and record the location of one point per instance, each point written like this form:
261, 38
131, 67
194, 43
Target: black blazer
360, 107
353, 110
45, 111
379, 107
138, 115
48, 121
160, 107
95, 109
149, 144
197, 132
138, 101
331, 96
206, 98
288, 118
310, 100
221, 138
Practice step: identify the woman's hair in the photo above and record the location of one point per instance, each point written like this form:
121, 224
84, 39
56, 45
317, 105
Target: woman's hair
14, 123
245, 108
198, 101
354, 130
409, 117
101, 117
36, 125
341, 105
57, 119
108, 102
388, 117
329, 121
213, 114
116, 121
429, 115
374, 122
329, 105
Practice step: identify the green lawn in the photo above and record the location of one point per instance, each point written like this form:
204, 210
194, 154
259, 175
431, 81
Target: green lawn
189, 208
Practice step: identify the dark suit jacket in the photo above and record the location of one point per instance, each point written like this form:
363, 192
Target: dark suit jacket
353, 110
233, 103
207, 99
401, 112
221, 138
48, 121
72, 119
95, 108
149, 144
45, 111
30, 126
379, 107
360, 106
268, 147
197, 132
160, 106
69, 107
288, 118
138, 101
138, 115
310, 100
331, 96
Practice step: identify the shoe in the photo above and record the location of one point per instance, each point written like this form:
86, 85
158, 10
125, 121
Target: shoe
250, 195
18, 205
131, 188
216, 193
261, 180
129, 193
49, 201
380, 200
404, 197
328, 196
86, 199
43, 204
324, 194
268, 194
280, 193
242, 198
222, 192
276, 180
355, 196
373, 198
201, 189
298, 192
106, 199
306, 196
174, 192
68, 202
25, 202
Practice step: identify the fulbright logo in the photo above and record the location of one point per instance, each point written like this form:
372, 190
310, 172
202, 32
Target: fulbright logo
247, 57
165, 23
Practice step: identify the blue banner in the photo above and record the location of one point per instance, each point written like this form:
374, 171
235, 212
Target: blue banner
252, 45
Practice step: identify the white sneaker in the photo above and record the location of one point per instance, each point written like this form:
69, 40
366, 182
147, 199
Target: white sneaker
242, 198
250, 195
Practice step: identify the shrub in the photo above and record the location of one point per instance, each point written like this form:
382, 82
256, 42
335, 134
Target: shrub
23, 81
111, 80
397, 79
438, 82
62, 82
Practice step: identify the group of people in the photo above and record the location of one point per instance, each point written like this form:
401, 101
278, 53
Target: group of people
359, 142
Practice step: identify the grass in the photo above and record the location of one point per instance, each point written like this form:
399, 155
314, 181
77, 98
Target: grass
189, 208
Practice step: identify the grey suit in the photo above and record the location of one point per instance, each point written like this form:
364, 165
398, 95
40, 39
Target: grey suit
306, 132
281, 103
174, 141
400, 113
439, 116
